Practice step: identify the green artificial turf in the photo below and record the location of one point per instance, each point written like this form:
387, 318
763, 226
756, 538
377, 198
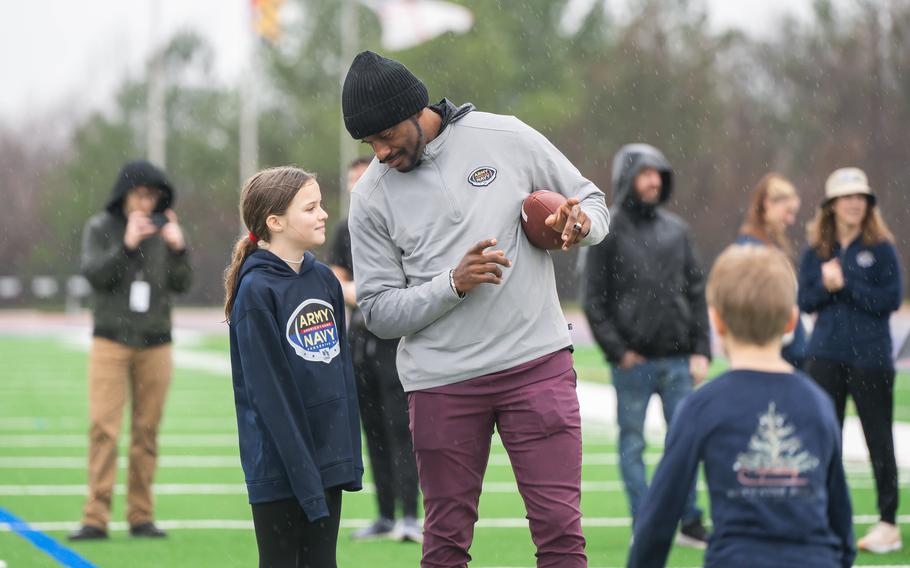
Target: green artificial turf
43, 417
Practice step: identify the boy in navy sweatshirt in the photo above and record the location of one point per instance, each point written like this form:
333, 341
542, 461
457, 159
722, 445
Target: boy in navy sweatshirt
767, 435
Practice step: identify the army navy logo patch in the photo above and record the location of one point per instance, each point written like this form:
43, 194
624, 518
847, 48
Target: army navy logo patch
482, 176
312, 331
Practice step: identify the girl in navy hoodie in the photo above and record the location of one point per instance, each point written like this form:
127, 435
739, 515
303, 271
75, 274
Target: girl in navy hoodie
297, 415
850, 277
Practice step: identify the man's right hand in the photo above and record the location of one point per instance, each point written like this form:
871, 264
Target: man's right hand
480, 266
630, 359
139, 227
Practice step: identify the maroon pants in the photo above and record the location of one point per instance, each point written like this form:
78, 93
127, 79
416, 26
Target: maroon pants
535, 409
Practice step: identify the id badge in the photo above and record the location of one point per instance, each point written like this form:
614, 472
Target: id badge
140, 295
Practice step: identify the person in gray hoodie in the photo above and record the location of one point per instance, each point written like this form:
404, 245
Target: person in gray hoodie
644, 297
484, 340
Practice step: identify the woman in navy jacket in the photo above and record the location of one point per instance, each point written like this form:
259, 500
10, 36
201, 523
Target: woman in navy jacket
850, 277
294, 391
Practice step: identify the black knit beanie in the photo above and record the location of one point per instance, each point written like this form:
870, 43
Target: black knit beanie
379, 93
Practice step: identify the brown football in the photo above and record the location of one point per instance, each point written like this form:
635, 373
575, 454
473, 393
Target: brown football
534, 212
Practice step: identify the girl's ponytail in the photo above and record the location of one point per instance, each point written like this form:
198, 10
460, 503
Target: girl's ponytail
243, 248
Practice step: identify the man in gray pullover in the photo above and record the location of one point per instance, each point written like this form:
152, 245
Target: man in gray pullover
484, 340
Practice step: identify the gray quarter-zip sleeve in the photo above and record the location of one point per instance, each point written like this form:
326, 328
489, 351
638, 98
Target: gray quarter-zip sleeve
390, 307
551, 170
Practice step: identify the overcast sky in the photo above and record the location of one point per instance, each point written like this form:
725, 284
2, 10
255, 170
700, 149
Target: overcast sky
65, 54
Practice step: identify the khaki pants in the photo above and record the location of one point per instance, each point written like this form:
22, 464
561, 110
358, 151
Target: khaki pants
114, 368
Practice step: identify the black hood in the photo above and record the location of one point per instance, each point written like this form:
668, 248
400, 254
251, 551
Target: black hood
449, 112
628, 162
134, 174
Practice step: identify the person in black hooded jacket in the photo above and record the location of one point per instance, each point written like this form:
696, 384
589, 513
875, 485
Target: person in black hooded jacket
134, 255
644, 300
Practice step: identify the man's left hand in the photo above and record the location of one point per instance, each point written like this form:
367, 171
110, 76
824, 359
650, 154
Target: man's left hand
571, 221
698, 368
171, 233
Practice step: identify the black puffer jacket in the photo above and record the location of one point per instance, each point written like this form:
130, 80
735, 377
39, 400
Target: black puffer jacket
644, 288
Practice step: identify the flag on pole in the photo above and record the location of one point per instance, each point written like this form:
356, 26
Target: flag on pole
266, 22
406, 23
574, 15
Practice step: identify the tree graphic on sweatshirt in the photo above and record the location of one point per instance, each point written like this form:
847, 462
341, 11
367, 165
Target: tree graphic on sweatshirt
775, 455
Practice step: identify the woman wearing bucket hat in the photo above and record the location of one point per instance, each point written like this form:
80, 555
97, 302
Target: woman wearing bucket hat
850, 277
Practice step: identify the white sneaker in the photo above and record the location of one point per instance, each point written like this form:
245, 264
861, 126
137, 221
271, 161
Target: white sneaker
380, 528
881, 539
689, 542
409, 529
693, 534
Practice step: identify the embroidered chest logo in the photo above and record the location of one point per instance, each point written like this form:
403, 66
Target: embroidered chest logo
775, 457
312, 331
865, 259
482, 176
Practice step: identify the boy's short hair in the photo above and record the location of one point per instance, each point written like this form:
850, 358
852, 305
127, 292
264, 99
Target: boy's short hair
753, 289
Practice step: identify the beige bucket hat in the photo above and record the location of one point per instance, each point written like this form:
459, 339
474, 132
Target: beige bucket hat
847, 181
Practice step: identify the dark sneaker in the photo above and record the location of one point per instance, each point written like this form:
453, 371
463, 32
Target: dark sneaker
380, 528
147, 530
410, 530
692, 534
87, 532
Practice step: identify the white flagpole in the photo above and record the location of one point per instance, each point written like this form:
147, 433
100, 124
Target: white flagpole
347, 148
249, 128
156, 114
249, 111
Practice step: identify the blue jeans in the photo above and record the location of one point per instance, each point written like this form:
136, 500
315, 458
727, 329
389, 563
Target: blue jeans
670, 379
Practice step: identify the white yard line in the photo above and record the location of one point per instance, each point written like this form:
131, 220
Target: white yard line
489, 523
506, 487
159, 489
213, 363
612, 458
65, 462
859, 474
79, 424
81, 440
